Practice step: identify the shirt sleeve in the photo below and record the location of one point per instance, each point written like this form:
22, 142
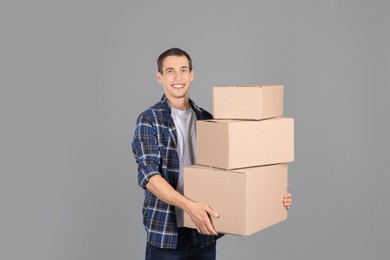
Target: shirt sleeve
145, 149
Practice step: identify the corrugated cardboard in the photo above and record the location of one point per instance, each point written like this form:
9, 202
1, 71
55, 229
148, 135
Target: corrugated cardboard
247, 200
248, 101
231, 144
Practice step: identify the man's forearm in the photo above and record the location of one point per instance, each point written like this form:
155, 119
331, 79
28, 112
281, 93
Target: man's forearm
165, 192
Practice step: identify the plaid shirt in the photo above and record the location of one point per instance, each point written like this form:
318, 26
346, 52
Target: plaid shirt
154, 148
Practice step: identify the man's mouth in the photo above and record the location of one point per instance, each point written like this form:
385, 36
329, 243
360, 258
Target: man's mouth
177, 85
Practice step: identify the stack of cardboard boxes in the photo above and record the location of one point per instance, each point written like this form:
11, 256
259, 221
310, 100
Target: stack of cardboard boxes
242, 157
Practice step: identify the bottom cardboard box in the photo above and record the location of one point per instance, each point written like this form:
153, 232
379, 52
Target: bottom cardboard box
248, 199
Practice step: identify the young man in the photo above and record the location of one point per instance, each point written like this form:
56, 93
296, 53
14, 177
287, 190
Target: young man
165, 142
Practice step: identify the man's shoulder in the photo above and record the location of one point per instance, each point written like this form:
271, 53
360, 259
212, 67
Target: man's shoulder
202, 114
157, 111
151, 111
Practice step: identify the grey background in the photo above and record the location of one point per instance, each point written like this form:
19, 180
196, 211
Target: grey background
75, 75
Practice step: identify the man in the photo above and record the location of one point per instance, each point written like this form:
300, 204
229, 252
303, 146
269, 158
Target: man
164, 142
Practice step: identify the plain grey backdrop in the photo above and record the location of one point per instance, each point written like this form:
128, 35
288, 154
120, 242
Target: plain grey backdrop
75, 75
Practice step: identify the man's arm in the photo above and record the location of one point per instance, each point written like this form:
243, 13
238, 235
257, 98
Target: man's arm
147, 155
199, 212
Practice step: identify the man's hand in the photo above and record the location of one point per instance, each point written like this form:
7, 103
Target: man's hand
287, 200
200, 214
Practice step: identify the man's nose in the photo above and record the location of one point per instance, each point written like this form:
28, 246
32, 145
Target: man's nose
178, 75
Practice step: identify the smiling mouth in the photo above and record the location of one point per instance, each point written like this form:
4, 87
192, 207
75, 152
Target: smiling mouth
177, 85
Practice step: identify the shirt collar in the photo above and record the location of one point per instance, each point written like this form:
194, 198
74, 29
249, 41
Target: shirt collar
167, 106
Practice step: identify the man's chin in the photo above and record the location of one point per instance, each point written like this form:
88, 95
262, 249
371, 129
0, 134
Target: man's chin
177, 95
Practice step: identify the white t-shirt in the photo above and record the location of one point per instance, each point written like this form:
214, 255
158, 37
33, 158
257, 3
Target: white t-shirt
185, 121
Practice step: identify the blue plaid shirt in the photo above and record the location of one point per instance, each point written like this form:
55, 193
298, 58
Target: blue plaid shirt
154, 148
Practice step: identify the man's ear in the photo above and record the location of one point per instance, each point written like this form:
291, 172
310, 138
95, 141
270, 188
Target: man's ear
159, 77
191, 75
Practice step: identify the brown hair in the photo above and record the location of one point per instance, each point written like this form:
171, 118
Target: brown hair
172, 52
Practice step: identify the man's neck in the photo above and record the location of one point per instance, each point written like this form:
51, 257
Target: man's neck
180, 104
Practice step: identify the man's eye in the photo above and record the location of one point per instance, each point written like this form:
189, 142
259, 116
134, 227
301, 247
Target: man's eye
184, 70
169, 71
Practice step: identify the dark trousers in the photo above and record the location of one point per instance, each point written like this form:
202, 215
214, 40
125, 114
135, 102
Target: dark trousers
188, 247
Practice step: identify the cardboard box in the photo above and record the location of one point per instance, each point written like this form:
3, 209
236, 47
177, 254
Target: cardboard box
231, 144
247, 200
248, 102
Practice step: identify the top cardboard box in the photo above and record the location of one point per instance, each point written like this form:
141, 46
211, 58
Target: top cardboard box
252, 102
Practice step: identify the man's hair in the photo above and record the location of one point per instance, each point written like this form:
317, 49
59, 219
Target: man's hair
172, 52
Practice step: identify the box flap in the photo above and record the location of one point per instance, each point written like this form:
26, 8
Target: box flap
217, 170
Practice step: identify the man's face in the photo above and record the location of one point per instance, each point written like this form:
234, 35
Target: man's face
176, 77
